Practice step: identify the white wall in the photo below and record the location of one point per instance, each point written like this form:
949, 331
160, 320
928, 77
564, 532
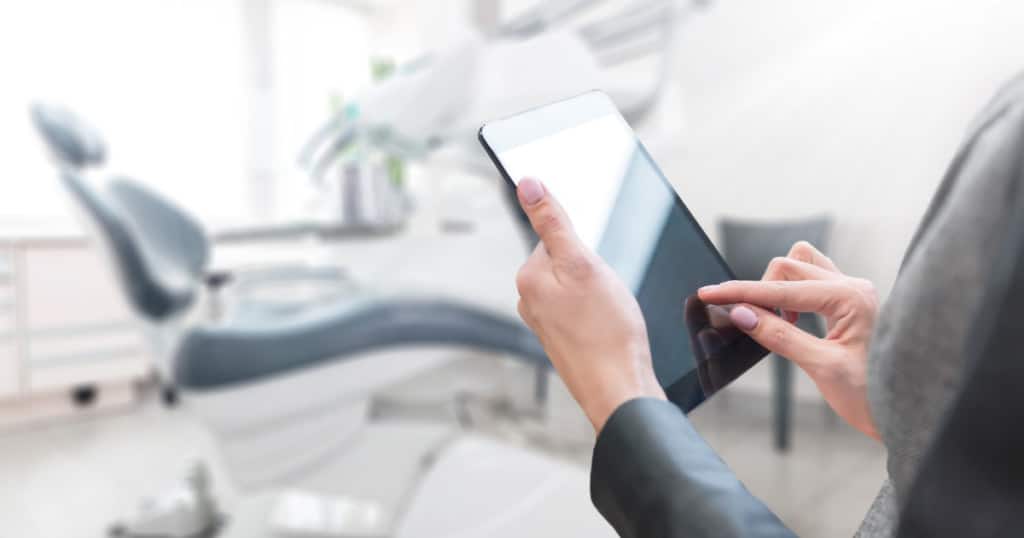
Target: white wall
799, 107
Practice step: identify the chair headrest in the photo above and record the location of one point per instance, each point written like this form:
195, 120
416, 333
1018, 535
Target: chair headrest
71, 141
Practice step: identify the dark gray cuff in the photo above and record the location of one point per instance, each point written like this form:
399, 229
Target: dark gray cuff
653, 476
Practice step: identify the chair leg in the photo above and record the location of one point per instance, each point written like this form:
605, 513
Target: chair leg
540, 388
783, 402
169, 395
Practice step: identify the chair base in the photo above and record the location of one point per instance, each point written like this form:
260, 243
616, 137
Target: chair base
186, 511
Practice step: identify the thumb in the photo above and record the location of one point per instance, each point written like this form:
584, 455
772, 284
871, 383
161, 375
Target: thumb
776, 334
547, 218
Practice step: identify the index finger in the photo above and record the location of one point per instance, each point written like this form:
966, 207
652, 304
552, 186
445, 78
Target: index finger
816, 296
548, 219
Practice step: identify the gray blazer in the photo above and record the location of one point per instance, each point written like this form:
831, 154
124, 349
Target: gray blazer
933, 357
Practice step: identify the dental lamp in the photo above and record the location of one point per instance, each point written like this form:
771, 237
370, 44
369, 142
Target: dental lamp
440, 99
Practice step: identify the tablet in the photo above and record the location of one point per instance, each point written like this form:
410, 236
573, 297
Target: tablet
624, 209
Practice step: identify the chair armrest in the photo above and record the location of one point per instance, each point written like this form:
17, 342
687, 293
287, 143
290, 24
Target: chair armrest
215, 280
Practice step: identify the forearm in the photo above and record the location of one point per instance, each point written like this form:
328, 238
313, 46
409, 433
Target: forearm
653, 476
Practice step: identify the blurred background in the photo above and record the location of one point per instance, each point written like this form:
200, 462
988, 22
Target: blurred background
218, 218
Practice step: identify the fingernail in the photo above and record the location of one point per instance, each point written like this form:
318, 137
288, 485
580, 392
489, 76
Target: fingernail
531, 191
707, 289
744, 318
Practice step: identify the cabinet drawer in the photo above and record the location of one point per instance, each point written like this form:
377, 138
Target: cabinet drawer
70, 286
8, 325
86, 355
10, 371
6, 266
90, 370
7, 308
80, 343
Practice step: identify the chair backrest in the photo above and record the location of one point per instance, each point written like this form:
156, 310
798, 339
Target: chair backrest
749, 245
155, 286
72, 142
166, 231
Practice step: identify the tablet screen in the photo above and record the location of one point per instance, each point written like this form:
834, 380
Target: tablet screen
623, 208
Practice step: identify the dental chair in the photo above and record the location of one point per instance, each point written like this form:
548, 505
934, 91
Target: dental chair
288, 396
176, 239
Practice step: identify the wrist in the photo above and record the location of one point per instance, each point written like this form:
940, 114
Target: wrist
601, 408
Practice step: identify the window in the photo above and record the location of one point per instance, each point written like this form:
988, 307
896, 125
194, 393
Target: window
162, 80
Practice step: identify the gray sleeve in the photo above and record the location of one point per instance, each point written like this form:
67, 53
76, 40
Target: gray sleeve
653, 476
971, 479
880, 521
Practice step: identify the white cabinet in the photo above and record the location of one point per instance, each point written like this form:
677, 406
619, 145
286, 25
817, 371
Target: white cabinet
68, 342
10, 371
70, 286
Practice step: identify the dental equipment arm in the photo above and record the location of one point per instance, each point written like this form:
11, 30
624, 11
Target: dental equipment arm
543, 16
444, 96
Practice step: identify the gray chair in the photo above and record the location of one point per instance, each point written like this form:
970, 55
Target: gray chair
748, 247
284, 395
160, 254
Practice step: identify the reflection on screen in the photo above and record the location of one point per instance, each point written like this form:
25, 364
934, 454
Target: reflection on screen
622, 207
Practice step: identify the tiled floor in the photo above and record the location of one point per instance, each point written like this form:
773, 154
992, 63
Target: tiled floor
73, 479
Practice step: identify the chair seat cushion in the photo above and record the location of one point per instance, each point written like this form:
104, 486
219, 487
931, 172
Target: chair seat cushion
255, 348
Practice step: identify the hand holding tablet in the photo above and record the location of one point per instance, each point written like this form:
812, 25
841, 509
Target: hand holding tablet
616, 221
588, 321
